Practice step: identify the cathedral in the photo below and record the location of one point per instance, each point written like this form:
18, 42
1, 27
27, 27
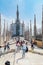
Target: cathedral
17, 28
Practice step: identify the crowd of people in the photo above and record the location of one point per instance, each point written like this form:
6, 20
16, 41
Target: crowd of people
20, 45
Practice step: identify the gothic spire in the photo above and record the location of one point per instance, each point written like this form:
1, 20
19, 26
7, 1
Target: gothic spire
35, 26
17, 12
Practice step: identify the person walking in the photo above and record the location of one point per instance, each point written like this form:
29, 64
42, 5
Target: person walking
8, 47
0, 51
18, 46
24, 49
32, 46
4, 46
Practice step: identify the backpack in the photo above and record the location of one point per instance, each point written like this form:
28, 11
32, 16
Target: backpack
26, 49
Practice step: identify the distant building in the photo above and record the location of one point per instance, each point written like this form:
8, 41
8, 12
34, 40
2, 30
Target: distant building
17, 28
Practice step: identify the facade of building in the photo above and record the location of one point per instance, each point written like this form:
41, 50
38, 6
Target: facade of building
17, 28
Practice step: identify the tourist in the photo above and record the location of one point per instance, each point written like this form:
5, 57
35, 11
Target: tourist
0, 51
31, 41
24, 49
18, 46
8, 47
7, 63
4, 45
32, 46
21, 43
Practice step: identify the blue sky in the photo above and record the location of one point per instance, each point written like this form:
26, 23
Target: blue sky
27, 9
